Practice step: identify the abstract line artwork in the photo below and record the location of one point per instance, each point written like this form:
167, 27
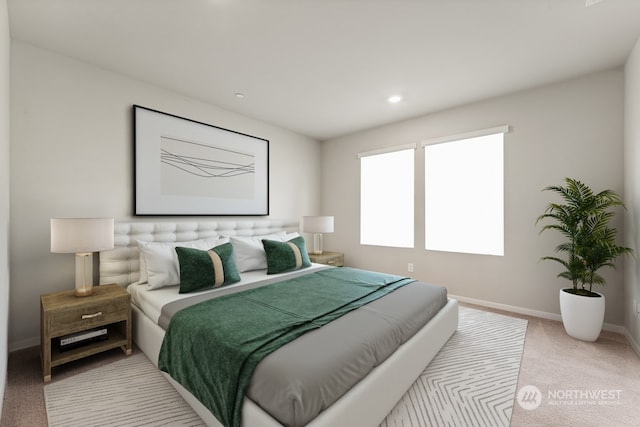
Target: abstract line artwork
185, 167
206, 167
210, 170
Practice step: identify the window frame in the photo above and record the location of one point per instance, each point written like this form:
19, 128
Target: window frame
497, 249
386, 240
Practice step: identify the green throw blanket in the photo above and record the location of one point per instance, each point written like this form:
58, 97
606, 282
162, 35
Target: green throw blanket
213, 347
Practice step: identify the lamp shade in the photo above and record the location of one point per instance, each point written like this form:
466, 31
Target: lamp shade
317, 224
79, 235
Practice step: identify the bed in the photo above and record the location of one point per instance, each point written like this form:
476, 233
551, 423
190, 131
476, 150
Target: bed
365, 403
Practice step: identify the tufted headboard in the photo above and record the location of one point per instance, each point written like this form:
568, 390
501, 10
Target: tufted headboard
121, 264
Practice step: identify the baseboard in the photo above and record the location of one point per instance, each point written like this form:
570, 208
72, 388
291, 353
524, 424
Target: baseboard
511, 308
536, 313
634, 344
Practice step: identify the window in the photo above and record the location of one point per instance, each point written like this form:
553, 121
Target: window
464, 193
386, 197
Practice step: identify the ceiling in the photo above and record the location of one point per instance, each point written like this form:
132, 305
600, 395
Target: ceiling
325, 68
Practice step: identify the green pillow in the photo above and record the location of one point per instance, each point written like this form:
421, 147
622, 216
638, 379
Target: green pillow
286, 256
200, 270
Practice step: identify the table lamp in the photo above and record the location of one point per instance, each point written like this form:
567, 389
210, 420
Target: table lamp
317, 225
82, 236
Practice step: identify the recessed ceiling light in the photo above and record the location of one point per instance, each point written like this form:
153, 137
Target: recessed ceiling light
394, 99
239, 95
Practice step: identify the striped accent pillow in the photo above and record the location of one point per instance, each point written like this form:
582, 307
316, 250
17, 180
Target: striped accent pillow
200, 270
286, 256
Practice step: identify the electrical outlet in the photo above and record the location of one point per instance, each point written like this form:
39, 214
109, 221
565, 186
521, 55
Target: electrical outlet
410, 267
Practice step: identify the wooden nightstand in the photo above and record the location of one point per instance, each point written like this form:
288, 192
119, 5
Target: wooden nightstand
62, 313
329, 258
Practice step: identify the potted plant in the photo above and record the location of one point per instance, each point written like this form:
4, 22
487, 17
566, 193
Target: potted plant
583, 219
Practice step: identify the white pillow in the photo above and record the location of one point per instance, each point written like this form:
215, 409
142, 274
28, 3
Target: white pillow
290, 236
160, 260
249, 252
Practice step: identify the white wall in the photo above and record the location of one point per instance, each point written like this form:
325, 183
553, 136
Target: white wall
632, 192
4, 193
574, 128
71, 155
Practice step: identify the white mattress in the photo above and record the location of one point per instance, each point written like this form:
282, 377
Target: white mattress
152, 301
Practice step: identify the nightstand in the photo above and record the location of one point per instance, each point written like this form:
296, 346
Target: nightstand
329, 258
63, 313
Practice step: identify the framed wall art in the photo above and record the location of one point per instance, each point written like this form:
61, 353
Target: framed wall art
185, 167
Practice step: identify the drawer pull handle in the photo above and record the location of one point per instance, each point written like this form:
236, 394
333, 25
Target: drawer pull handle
91, 316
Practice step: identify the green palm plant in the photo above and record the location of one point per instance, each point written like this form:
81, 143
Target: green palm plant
584, 219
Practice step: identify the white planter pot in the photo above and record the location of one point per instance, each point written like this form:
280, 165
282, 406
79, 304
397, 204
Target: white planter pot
582, 317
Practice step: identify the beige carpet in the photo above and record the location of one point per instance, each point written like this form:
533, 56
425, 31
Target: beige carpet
570, 373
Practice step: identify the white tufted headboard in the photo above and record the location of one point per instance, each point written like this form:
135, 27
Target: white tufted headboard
121, 264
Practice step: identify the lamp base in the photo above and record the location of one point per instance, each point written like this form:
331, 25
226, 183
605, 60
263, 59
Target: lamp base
84, 274
317, 244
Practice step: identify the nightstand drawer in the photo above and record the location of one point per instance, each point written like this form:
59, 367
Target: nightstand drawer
75, 319
336, 261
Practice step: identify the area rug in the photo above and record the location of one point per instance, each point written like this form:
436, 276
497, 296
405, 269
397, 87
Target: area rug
471, 382
129, 392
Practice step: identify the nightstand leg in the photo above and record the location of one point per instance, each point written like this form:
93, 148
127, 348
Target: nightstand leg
45, 359
45, 350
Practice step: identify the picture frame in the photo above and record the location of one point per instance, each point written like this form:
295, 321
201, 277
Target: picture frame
186, 167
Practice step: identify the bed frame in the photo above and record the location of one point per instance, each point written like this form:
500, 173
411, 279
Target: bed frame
366, 404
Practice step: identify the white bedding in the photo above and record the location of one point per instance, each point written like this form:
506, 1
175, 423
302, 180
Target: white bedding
152, 301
